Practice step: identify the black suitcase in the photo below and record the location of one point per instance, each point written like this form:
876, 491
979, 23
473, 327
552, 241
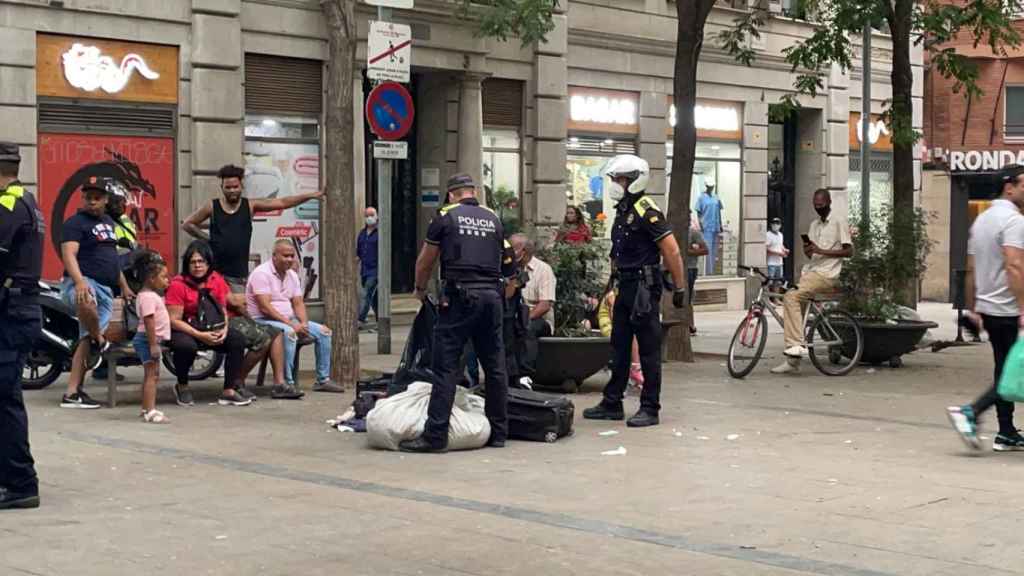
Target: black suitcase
539, 417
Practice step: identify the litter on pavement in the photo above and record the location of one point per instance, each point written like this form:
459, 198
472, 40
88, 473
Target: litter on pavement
620, 451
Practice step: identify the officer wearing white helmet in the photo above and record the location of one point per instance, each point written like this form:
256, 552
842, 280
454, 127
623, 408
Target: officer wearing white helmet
641, 241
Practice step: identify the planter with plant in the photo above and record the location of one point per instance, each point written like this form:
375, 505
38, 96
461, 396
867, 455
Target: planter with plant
888, 250
575, 352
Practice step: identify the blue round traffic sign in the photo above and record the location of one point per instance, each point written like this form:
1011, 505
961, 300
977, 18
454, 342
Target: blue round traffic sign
389, 111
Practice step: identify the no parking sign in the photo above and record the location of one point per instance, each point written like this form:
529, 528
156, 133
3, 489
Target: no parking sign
389, 111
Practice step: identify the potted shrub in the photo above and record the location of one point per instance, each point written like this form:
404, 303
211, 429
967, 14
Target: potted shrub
888, 249
575, 352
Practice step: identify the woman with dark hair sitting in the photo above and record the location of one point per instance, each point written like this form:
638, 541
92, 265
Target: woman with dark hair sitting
196, 301
574, 229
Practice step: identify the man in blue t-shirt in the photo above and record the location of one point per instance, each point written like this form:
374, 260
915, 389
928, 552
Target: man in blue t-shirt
366, 250
91, 272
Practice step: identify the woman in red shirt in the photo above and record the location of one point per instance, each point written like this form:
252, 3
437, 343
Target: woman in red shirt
182, 299
574, 229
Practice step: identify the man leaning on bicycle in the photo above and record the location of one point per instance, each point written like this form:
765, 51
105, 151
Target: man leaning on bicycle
826, 243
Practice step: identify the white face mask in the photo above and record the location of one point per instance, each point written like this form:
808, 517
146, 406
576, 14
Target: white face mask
776, 227
616, 191
371, 220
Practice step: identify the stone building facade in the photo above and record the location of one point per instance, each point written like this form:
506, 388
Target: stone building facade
534, 123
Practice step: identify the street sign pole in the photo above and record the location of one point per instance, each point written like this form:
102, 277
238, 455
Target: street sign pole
865, 135
384, 241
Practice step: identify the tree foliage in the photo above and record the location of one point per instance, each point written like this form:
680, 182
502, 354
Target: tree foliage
930, 24
887, 248
528, 20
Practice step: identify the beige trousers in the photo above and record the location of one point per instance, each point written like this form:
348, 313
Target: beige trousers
811, 283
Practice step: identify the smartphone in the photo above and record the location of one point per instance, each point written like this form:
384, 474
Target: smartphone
805, 238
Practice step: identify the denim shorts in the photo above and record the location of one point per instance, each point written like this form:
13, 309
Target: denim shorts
141, 345
775, 272
104, 301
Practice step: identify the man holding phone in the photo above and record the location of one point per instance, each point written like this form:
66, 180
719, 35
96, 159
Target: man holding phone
826, 244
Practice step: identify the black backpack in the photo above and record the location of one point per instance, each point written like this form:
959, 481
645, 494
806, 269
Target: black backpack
209, 315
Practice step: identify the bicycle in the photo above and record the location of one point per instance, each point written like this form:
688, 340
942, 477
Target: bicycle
835, 352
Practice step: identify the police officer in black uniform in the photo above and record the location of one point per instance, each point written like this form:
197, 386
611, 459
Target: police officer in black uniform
641, 239
470, 242
22, 230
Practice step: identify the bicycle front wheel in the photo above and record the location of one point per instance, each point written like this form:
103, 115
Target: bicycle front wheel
747, 345
835, 343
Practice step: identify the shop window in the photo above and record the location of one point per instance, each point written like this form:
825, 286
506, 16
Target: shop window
715, 197
1014, 121
881, 181
587, 155
282, 158
501, 175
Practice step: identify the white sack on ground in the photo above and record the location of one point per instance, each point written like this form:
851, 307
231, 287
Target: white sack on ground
403, 416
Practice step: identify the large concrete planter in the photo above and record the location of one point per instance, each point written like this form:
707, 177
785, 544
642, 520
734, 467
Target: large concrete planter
884, 342
565, 363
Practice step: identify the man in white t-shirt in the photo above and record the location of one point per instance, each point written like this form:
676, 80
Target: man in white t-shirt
827, 244
995, 287
776, 248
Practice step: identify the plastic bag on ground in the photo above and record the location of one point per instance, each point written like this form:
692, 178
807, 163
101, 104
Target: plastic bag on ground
403, 416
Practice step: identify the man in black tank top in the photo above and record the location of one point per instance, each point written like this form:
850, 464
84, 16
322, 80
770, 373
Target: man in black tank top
231, 225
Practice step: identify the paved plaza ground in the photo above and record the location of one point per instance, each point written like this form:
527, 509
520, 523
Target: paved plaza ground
858, 475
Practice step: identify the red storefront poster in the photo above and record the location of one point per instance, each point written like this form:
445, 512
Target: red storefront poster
144, 165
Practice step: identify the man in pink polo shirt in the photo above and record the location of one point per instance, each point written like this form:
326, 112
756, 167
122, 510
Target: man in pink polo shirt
273, 295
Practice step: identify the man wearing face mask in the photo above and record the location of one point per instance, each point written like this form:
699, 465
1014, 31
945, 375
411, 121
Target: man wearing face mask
641, 239
776, 248
826, 244
366, 251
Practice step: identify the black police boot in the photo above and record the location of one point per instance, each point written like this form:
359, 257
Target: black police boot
604, 412
642, 419
11, 500
495, 442
420, 445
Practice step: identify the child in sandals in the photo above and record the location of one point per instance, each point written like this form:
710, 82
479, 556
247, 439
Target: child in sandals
154, 328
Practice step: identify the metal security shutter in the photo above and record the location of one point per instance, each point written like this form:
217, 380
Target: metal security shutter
278, 85
105, 117
503, 102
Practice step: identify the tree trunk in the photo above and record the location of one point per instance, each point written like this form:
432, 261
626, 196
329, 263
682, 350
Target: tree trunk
692, 15
900, 23
340, 291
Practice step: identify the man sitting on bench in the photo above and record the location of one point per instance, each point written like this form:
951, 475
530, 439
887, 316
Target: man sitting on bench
826, 244
274, 296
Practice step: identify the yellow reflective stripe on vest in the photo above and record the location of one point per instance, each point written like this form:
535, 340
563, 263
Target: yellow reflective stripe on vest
125, 228
9, 197
448, 208
644, 204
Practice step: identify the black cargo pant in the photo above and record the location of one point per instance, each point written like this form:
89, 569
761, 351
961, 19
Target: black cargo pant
647, 331
476, 315
20, 329
1002, 334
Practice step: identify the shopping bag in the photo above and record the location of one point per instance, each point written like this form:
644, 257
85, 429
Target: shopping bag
1011, 383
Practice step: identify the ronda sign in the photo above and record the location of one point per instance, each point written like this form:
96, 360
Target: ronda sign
982, 160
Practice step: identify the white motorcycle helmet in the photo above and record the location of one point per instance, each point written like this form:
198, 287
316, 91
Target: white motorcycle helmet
633, 168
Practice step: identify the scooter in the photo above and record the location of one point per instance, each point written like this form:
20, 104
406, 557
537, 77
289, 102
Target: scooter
56, 346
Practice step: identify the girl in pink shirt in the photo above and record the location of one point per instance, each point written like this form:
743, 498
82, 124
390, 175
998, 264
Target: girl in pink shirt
154, 328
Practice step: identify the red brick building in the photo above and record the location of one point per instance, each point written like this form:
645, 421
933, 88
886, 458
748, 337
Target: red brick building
967, 141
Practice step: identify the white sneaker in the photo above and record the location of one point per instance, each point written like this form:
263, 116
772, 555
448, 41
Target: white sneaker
787, 367
796, 352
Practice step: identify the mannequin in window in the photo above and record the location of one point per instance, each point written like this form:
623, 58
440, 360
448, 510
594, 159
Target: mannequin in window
709, 209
